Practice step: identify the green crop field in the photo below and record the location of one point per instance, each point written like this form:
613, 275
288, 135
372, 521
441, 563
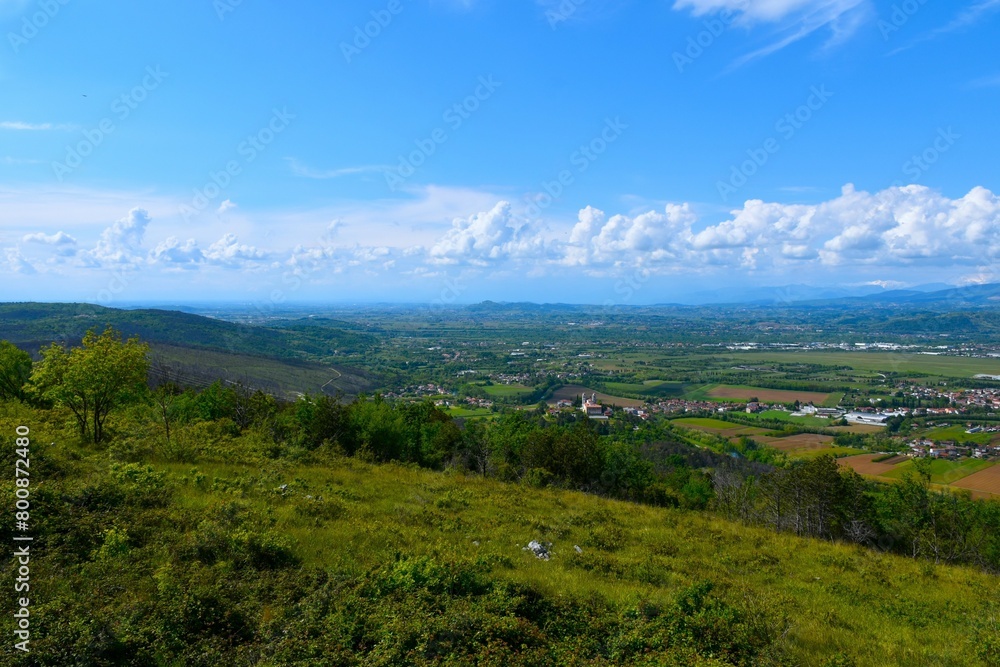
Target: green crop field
507, 390
942, 472
834, 450
463, 412
703, 422
958, 434
781, 415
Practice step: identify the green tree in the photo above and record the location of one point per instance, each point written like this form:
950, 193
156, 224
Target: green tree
15, 369
94, 379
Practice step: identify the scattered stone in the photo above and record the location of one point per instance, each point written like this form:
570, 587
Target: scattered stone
577, 549
475, 542
540, 550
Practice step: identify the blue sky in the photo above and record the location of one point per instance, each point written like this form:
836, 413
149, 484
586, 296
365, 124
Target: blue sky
605, 151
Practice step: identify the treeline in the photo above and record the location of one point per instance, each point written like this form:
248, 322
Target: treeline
818, 499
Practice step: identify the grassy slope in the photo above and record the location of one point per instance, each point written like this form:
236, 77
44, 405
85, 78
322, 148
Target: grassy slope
203, 349
878, 609
35, 324
196, 367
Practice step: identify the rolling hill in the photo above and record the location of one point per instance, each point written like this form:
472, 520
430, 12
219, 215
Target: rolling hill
299, 357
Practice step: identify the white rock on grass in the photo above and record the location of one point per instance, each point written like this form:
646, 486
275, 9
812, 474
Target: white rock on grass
540, 550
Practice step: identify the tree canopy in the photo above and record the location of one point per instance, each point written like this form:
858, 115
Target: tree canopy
94, 379
15, 369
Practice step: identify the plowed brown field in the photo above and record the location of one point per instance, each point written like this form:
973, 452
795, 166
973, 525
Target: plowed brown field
987, 481
863, 464
802, 441
769, 395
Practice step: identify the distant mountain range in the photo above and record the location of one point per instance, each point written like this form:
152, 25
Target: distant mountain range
800, 294
952, 298
935, 296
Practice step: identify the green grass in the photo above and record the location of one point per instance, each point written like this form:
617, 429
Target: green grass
704, 422
780, 415
942, 472
287, 378
380, 536
833, 400
507, 390
700, 393
875, 608
835, 450
457, 411
958, 434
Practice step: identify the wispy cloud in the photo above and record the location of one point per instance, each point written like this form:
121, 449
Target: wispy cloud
967, 17
17, 160
986, 82
794, 20
17, 125
304, 171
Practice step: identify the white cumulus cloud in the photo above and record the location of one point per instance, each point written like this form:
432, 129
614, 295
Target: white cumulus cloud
486, 237
121, 243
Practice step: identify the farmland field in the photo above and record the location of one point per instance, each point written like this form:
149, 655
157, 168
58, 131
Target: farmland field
801, 441
987, 481
942, 472
706, 423
719, 427
768, 395
958, 434
466, 412
863, 465
781, 415
507, 390
857, 428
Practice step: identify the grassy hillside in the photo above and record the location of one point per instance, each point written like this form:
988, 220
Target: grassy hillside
286, 378
37, 324
239, 558
199, 350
